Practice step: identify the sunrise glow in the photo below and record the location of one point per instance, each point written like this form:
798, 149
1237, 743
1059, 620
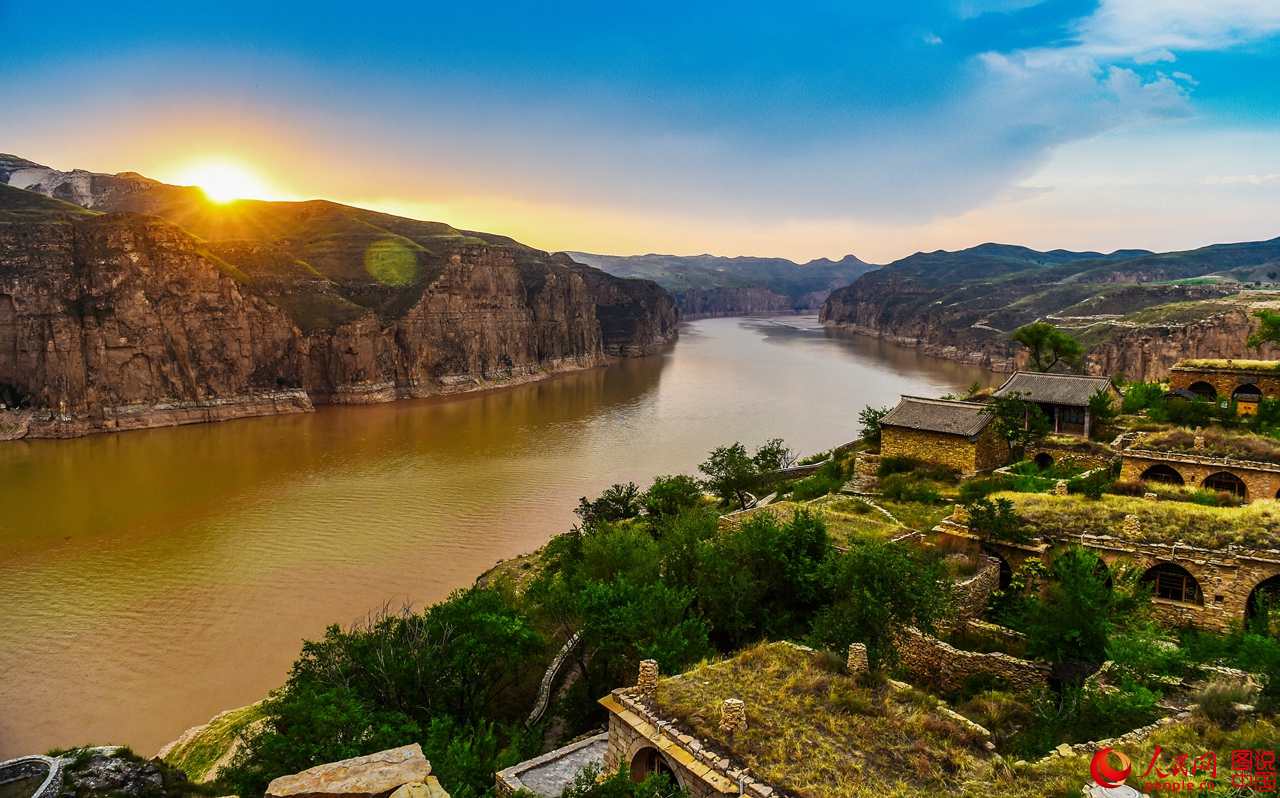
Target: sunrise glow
224, 180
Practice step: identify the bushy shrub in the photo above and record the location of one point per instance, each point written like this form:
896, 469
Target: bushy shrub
827, 479
616, 503
589, 783
1139, 396
997, 520
672, 494
1217, 701
896, 464
981, 487
906, 488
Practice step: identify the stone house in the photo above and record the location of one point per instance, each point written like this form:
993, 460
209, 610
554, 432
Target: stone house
1243, 383
1209, 588
1064, 398
1248, 479
958, 435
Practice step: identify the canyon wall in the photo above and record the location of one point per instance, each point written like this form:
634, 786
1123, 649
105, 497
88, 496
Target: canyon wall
121, 321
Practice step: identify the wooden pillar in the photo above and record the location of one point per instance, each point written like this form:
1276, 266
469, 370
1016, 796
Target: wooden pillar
1056, 428
1086, 422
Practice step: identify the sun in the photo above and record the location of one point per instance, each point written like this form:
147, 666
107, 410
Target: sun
224, 180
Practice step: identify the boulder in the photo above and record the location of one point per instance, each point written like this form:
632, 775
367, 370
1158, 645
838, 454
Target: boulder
431, 788
360, 777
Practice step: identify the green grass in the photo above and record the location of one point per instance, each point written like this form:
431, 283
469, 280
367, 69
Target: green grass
917, 515
813, 730
1217, 443
1227, 363
198, 756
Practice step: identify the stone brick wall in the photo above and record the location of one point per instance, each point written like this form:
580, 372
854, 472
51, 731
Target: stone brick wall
1226, 577
969, 598
1260, 483
1080, 455
954, 451
1225, 380
944, 667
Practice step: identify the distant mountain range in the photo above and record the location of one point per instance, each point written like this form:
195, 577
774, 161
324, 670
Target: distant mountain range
710, 285
1136, 311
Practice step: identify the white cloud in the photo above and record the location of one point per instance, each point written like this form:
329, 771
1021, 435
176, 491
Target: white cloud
1152, 29
1243, 180
932, 39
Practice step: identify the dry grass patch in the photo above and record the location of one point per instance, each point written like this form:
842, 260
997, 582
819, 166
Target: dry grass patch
1217, 443
1255, 525
814, 731
846, 523
1220, 363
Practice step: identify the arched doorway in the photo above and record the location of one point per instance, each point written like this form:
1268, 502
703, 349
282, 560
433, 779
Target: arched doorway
1006, 570
1162, 473
1226, 482
1247, 398
1044, 461
1263, 603
1173, 583
647, 762
1203, 390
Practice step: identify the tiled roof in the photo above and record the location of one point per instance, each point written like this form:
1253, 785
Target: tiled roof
938, 415
1054, 389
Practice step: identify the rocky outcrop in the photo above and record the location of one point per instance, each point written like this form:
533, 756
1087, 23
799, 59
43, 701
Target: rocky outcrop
1132, 316
121, 321
370, 776
1150, 351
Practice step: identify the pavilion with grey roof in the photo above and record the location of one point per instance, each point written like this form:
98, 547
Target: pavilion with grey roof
1064, 398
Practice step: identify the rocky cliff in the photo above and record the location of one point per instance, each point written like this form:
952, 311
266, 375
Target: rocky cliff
120, 320
1137, 313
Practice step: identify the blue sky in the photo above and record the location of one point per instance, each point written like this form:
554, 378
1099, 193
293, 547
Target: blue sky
800, 129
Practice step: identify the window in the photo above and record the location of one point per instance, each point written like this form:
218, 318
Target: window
1173, 583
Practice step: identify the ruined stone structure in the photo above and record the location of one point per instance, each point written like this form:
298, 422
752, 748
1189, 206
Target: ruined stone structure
1249, 479
1070, 451
1212, 589
1064, 398
856, 662
969, 597
944, 667
1241, 382
958, 435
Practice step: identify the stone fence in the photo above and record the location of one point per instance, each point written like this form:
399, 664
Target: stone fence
969, 598
944, 667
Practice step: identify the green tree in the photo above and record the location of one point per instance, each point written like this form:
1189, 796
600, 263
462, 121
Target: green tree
1268, 328
1048, 345
996, 519
877, 588
1102, 413
616, 503
1017, 421
623, 623
731, 473
764, 580
773, 456
1072, 621
590, 784
869, 417
670, 495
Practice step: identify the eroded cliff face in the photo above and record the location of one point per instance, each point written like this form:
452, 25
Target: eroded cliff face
1135, 350
1149, 352
122, 321
119, 322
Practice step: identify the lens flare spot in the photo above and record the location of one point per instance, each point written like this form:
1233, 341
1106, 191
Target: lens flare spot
391, 262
